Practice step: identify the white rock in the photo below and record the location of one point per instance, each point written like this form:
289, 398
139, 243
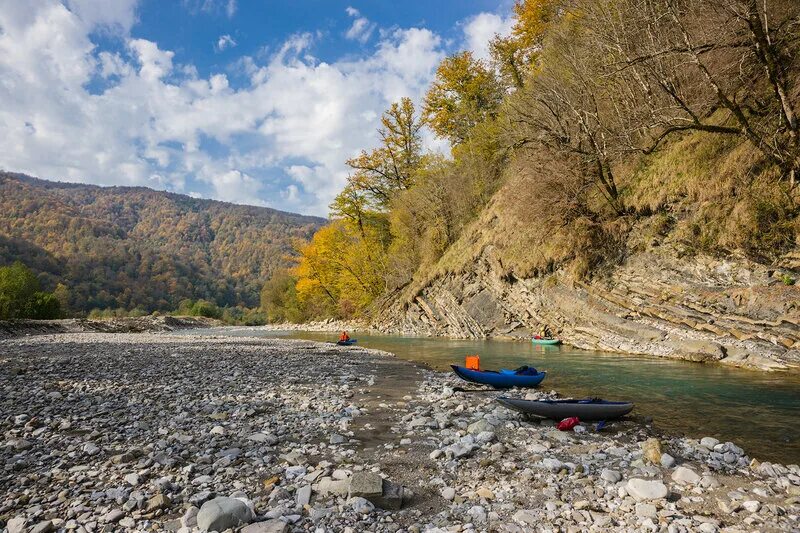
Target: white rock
477, 513
526, 518
220, 514
217, 430
361, 505
752, 505
132, 479
642, 489
646, 510
554, 465
685, 476
448, 493
708, 442
16, 524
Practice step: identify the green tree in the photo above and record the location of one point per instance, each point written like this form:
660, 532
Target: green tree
21, 295
279, 299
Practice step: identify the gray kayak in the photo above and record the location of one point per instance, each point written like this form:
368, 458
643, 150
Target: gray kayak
589, 409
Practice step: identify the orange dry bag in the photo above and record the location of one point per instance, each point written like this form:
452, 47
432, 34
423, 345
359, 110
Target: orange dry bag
473, 362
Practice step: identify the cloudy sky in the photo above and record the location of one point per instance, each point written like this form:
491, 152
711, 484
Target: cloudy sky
248, 101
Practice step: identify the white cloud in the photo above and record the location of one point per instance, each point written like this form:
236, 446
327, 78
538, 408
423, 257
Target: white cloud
116, 15
481, 29
225, 41
361, 29
230, 8
71, 111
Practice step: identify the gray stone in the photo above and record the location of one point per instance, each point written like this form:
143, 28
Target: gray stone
115, 515
708, 442
275, 525
366, 485
612, 476
16, 524
642, 489
43, 527
189, 518
303, 495
667, 461
391, 497
132, 479
526, 518
479, 427
222, 513
448, 493
646, 510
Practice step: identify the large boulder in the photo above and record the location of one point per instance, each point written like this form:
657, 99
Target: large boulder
220, 514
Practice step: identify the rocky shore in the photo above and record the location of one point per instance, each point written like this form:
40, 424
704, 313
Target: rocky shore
24, 327
153, 432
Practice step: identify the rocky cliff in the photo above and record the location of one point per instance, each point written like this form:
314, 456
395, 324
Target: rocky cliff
656, 301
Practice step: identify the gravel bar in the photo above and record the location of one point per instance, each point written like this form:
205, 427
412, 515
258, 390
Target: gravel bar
156, 432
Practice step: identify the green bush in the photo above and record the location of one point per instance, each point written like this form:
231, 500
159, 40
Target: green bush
21, 295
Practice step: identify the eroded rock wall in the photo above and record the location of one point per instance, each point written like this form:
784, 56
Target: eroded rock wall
658, 303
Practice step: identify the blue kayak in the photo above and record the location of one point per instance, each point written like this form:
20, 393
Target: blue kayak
505, 379
347, 343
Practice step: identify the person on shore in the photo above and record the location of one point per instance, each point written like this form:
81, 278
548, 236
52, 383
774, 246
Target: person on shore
344, 337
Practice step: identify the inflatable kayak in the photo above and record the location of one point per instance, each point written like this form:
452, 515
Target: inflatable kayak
505, 379
347, 342
546, 342
589, 409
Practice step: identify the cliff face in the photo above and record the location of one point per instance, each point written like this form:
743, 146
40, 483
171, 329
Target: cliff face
698, 308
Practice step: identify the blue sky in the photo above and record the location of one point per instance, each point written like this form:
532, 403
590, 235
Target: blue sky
256, 102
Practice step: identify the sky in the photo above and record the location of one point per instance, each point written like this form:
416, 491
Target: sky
256, 102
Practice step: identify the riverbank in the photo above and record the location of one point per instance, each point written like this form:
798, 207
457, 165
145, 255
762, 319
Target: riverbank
660, 301
25, 327
134, 432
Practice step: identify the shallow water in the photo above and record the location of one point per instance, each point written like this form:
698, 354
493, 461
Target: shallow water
756, 410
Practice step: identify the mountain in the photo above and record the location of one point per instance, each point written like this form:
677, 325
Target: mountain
129, 247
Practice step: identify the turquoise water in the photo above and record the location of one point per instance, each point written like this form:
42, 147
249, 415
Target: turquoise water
756, 410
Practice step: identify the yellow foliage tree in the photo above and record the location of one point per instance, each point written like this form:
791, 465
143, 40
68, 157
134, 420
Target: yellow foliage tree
380, 173
516, 54
464, 93
339, 271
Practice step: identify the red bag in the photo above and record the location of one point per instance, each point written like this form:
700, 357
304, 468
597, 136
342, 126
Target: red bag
568, 423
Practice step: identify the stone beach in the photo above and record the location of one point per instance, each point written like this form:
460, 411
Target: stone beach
156, 432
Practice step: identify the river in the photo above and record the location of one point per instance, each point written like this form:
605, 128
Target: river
756, 410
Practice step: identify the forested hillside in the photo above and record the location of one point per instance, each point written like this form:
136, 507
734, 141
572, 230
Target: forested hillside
122, 247
601, 135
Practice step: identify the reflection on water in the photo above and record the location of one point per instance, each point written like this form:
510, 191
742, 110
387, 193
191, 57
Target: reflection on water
756, 410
